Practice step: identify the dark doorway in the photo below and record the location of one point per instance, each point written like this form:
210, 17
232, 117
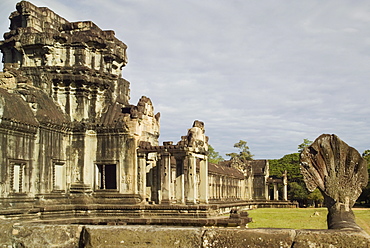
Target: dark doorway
107, 178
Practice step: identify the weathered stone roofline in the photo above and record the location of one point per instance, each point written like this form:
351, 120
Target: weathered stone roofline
30, 10
41, 19
38, 110
39, 38
168, 146
222, 169
69, 61
260, 166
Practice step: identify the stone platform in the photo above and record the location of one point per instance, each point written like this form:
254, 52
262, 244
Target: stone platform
220, 214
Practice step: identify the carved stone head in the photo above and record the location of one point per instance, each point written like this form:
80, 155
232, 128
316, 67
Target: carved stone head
339, 172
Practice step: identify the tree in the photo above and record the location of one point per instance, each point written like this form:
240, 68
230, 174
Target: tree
289, 163
306, 142
244, 153
298, 193
296, 186
316, 198
213, 156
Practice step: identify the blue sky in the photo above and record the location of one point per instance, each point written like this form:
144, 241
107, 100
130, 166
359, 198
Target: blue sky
271, 73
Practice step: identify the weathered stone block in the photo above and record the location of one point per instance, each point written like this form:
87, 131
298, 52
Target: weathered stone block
141, 236
233, 237
6, 228
330, 238
63, 236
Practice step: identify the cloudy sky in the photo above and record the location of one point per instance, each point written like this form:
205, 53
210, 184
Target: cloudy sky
269, 72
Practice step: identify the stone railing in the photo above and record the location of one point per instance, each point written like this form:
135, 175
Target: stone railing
40, 235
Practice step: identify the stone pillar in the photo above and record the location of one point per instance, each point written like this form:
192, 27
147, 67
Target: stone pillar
223, 188
180, 181
141, 163
191, 183
248, 190
267, 191
218, 194
129, 170
285, 186
204, 185
84, 145
156, 183
243, 189
89, 154
276, 192
285, 192
166, 175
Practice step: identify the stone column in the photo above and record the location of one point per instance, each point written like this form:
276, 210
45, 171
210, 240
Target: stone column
89, 153
285, 186
84, 145
68, 96
141, 162
223, 188
166, 175
243, 189
285, 192
218, 189
249, 186
204, 185
267, 191
276, 192
191, 185
180, 181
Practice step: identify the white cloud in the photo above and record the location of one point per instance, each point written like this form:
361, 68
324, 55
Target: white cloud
268, 72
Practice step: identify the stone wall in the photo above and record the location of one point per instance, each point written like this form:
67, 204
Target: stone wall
16, 235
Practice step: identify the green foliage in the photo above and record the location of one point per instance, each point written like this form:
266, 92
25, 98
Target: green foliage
290, 163
316, 197
244, 153
297, 192
366, 155
296, 187
213, 156
306, 142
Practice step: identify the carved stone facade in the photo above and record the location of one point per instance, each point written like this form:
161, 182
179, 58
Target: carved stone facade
66, 122
71, 141
179, 182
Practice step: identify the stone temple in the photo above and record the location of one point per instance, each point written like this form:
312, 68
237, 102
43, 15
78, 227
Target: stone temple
72, 145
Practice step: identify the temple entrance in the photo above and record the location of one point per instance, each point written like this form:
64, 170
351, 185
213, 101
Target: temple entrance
106, 177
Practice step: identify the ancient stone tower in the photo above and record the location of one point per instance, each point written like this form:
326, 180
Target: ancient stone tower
66, 123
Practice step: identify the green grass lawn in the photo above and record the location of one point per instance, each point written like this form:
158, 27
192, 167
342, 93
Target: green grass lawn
300, 218
363, 218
